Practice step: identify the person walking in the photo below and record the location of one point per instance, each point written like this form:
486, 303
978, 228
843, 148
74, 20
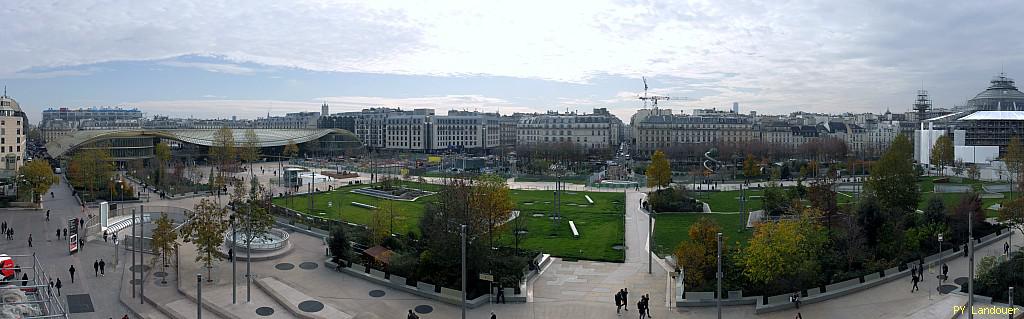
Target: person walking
58, 285
640, 307
103, 267
412, 315
96, 268
920, 268
65, 233
914, 279
625, 299
618, 302
647, 305
945, 270
104, 236
30, 240
24, 279
10, 233
58, 233
3, 227
47, 215
72, 271
795, 299
493, 316
500, 298
1006, 248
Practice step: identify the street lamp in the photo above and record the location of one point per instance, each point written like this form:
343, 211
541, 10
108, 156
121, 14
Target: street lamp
718, 276
231, 251
463, 231
199, 296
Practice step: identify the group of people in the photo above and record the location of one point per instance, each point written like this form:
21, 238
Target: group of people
917, 275
642, 305
7, 230
99, 267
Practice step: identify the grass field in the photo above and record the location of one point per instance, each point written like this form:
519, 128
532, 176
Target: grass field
671, 229
407, 214
601, 225
729, 201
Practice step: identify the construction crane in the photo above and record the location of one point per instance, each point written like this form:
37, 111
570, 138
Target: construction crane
653, 98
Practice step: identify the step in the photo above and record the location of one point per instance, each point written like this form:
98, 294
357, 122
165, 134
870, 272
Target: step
291, 297
186, 309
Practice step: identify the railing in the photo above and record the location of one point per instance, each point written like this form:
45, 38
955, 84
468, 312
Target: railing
39, 282
259, 246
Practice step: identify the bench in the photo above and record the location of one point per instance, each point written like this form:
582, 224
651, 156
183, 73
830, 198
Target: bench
575, 233
358, 204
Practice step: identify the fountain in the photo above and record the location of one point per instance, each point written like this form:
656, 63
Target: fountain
268, 245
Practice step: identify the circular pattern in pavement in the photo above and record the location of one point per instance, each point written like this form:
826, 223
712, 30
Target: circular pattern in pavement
264, 311
311, 306
138, 268
308, 265
424, 309
284, 266
960, 281
947, 289
377, 293
618, 247
160, 274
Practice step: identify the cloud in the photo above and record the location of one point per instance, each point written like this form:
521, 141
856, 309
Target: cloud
211, 67
777, 56
441, 104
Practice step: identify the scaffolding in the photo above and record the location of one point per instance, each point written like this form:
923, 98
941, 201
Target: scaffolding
32, 297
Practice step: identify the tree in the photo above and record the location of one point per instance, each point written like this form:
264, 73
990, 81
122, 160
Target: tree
970, 203
340, 245
253, 212
377, 229
290, 150
696, 256
942, 153
1013, 214
893, 179
750, 168
492, 202
223, 152
973, 172
206, 232
165, 239
935, 210
659, 173
785, 252
38, 175
250, 151
775, 200
162, 154
91, 168
1014, 160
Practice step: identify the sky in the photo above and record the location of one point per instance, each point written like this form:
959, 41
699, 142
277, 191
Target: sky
219, 58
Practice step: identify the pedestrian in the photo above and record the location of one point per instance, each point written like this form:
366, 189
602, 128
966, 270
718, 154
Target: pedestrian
501, 295
647, 305
625, 299
1006, 248
103, 267
412, 315
493, 316
10, 232
945, 269
24, 279
72, 271
65, 233
58, 233
920, 268
51, 194
640, 307
115, 239
965, 250
30, 240
618, 302
914, 279
798, 316
3, 227
58, 285
47, 215
96, 268
795, 299
104, 236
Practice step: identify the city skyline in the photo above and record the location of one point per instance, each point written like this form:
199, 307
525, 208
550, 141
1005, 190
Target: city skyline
772, 59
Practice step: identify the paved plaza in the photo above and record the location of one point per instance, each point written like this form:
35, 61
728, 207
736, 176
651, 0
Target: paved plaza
298, 282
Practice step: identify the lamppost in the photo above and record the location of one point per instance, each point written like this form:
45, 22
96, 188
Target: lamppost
942, 263
1009, 300
231, 251
970, 263
650, 240
463, 232
718, 276
199, 296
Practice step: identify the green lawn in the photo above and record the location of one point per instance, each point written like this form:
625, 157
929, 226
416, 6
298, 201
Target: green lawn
601, 225
671, 229
574, 179
407, 214
729, 201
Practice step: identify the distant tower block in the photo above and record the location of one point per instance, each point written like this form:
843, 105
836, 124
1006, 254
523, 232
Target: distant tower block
922, 105
323, 110
736, 107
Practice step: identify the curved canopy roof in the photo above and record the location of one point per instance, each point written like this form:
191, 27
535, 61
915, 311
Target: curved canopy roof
204, 137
